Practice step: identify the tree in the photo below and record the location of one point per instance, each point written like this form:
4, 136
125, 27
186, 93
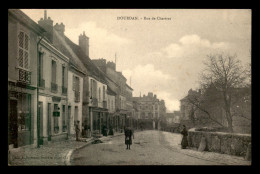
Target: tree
225, 73
204, 104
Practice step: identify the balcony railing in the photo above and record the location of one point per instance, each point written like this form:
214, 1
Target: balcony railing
105, 104
24, 76
42, 83
64, 90
77, 96
54, 87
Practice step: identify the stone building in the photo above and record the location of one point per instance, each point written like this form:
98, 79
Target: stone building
87, 85
186, 107
23, 37
53, 97
149, 110
117, 82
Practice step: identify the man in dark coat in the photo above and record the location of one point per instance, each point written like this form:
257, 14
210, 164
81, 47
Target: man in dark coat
184, 141
128, 137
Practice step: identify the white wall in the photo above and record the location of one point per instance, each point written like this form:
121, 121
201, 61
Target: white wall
71, 100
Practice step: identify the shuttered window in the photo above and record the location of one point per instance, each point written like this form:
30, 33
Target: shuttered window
23, 50
104, 92
53, 68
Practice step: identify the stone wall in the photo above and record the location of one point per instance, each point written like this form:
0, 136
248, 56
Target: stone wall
227, 143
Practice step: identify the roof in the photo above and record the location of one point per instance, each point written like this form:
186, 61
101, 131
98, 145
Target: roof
61, 44
129, 86
110, 91
21, 16
92, 69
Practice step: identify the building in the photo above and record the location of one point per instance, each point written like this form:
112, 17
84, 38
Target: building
111, 102
23, 38
186, 106
149, 110
123, 99
53, 97
172, 118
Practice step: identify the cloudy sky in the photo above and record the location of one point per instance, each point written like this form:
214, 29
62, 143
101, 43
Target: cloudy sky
160, 56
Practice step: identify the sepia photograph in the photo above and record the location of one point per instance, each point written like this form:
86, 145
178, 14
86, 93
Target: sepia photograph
129, 87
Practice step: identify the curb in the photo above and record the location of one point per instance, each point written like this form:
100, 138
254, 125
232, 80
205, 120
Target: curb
69, 154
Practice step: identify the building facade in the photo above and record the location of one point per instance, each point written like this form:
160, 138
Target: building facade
149, 110
23, 38
53, 97
123, 99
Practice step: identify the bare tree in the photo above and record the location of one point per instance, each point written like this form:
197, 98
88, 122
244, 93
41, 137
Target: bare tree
200, 102
226, 73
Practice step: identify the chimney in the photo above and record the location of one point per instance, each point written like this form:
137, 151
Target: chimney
60, 28
84, 43
45, 14
47, 24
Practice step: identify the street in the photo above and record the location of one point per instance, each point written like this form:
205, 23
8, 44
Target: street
148, 148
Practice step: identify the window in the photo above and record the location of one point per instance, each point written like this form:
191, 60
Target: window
40, 67
91, 88
24, 111
104, 92
64, 119
56, 120
23, 50
53, 70
99, 94
76, 88
63, 76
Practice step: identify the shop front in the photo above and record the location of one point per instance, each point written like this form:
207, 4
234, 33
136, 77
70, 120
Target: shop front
20, 115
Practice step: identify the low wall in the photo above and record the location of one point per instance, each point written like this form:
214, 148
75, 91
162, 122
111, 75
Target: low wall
228, 143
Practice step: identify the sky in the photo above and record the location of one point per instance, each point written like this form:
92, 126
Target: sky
160, 56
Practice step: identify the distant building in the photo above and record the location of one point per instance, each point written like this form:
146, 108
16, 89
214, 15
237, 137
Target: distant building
186, 106
173, 118
123, 99
149, 109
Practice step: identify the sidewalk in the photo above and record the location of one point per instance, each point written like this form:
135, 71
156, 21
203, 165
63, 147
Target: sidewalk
57, 153
173, 142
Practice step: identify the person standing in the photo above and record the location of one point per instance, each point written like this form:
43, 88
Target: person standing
128, 137
184, 141
77, 129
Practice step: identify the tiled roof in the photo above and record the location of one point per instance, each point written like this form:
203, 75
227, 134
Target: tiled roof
110, 91
27, 20
62, 45
91, 67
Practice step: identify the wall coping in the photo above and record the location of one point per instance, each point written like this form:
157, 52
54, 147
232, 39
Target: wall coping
220, 133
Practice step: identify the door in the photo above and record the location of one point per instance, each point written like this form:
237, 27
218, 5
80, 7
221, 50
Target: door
69, 120
13, 125
49, 122
76, 112
40, 105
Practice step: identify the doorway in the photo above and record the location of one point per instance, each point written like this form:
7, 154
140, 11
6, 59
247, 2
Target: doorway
40, 105
49, 122
13, 125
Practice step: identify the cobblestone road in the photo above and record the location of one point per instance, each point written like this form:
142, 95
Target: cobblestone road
149, 148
